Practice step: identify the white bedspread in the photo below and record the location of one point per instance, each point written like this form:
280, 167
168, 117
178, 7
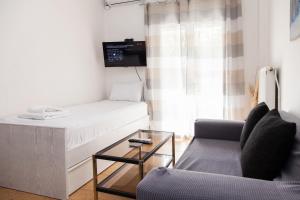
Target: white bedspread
89, 121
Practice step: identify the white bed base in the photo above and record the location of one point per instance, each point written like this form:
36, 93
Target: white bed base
36, 161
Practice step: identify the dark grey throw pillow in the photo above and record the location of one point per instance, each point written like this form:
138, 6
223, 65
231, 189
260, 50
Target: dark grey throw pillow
254, 116
268, 147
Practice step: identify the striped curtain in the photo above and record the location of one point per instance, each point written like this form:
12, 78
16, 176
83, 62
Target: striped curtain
195, 62
236, 103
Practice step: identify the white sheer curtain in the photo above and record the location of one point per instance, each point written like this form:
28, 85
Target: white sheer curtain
186, 41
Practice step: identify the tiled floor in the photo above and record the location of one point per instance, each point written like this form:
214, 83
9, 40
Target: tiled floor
85, 192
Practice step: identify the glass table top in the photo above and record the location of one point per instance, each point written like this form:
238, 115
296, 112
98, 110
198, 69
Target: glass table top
121, 151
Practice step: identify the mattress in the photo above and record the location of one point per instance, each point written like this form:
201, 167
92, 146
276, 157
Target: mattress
88, 121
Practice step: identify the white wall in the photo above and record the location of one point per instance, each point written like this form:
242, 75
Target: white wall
253, 38
285, 54
256, 36
121, 22
50, 53
280, 30
264, 32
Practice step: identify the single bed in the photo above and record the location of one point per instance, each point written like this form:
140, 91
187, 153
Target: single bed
53, 157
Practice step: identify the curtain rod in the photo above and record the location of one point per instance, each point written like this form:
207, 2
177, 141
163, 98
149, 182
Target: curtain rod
142, 2
119, 3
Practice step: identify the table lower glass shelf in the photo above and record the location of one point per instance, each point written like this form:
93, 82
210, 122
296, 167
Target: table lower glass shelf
124, 180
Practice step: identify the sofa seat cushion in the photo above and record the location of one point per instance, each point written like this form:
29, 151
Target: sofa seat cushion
212, 156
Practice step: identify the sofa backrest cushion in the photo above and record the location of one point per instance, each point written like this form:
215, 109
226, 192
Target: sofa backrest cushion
291, 170
268, 147
254, 116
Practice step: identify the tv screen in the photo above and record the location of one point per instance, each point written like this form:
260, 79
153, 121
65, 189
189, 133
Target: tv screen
125, 54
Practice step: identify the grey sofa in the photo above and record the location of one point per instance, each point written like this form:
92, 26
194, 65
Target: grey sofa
210, 169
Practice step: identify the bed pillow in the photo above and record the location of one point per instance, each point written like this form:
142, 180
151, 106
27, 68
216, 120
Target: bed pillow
268, 147
130, 91
254, 116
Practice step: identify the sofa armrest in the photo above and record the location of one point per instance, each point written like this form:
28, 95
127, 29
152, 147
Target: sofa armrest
172, 184
218, 129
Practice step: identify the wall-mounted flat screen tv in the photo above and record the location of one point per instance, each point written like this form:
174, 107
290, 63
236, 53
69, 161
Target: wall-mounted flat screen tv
125, 54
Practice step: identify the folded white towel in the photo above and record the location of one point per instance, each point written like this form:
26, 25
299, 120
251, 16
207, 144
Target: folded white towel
45, 115
44, 109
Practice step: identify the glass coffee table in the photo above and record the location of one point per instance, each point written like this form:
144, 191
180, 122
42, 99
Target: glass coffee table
135, 162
